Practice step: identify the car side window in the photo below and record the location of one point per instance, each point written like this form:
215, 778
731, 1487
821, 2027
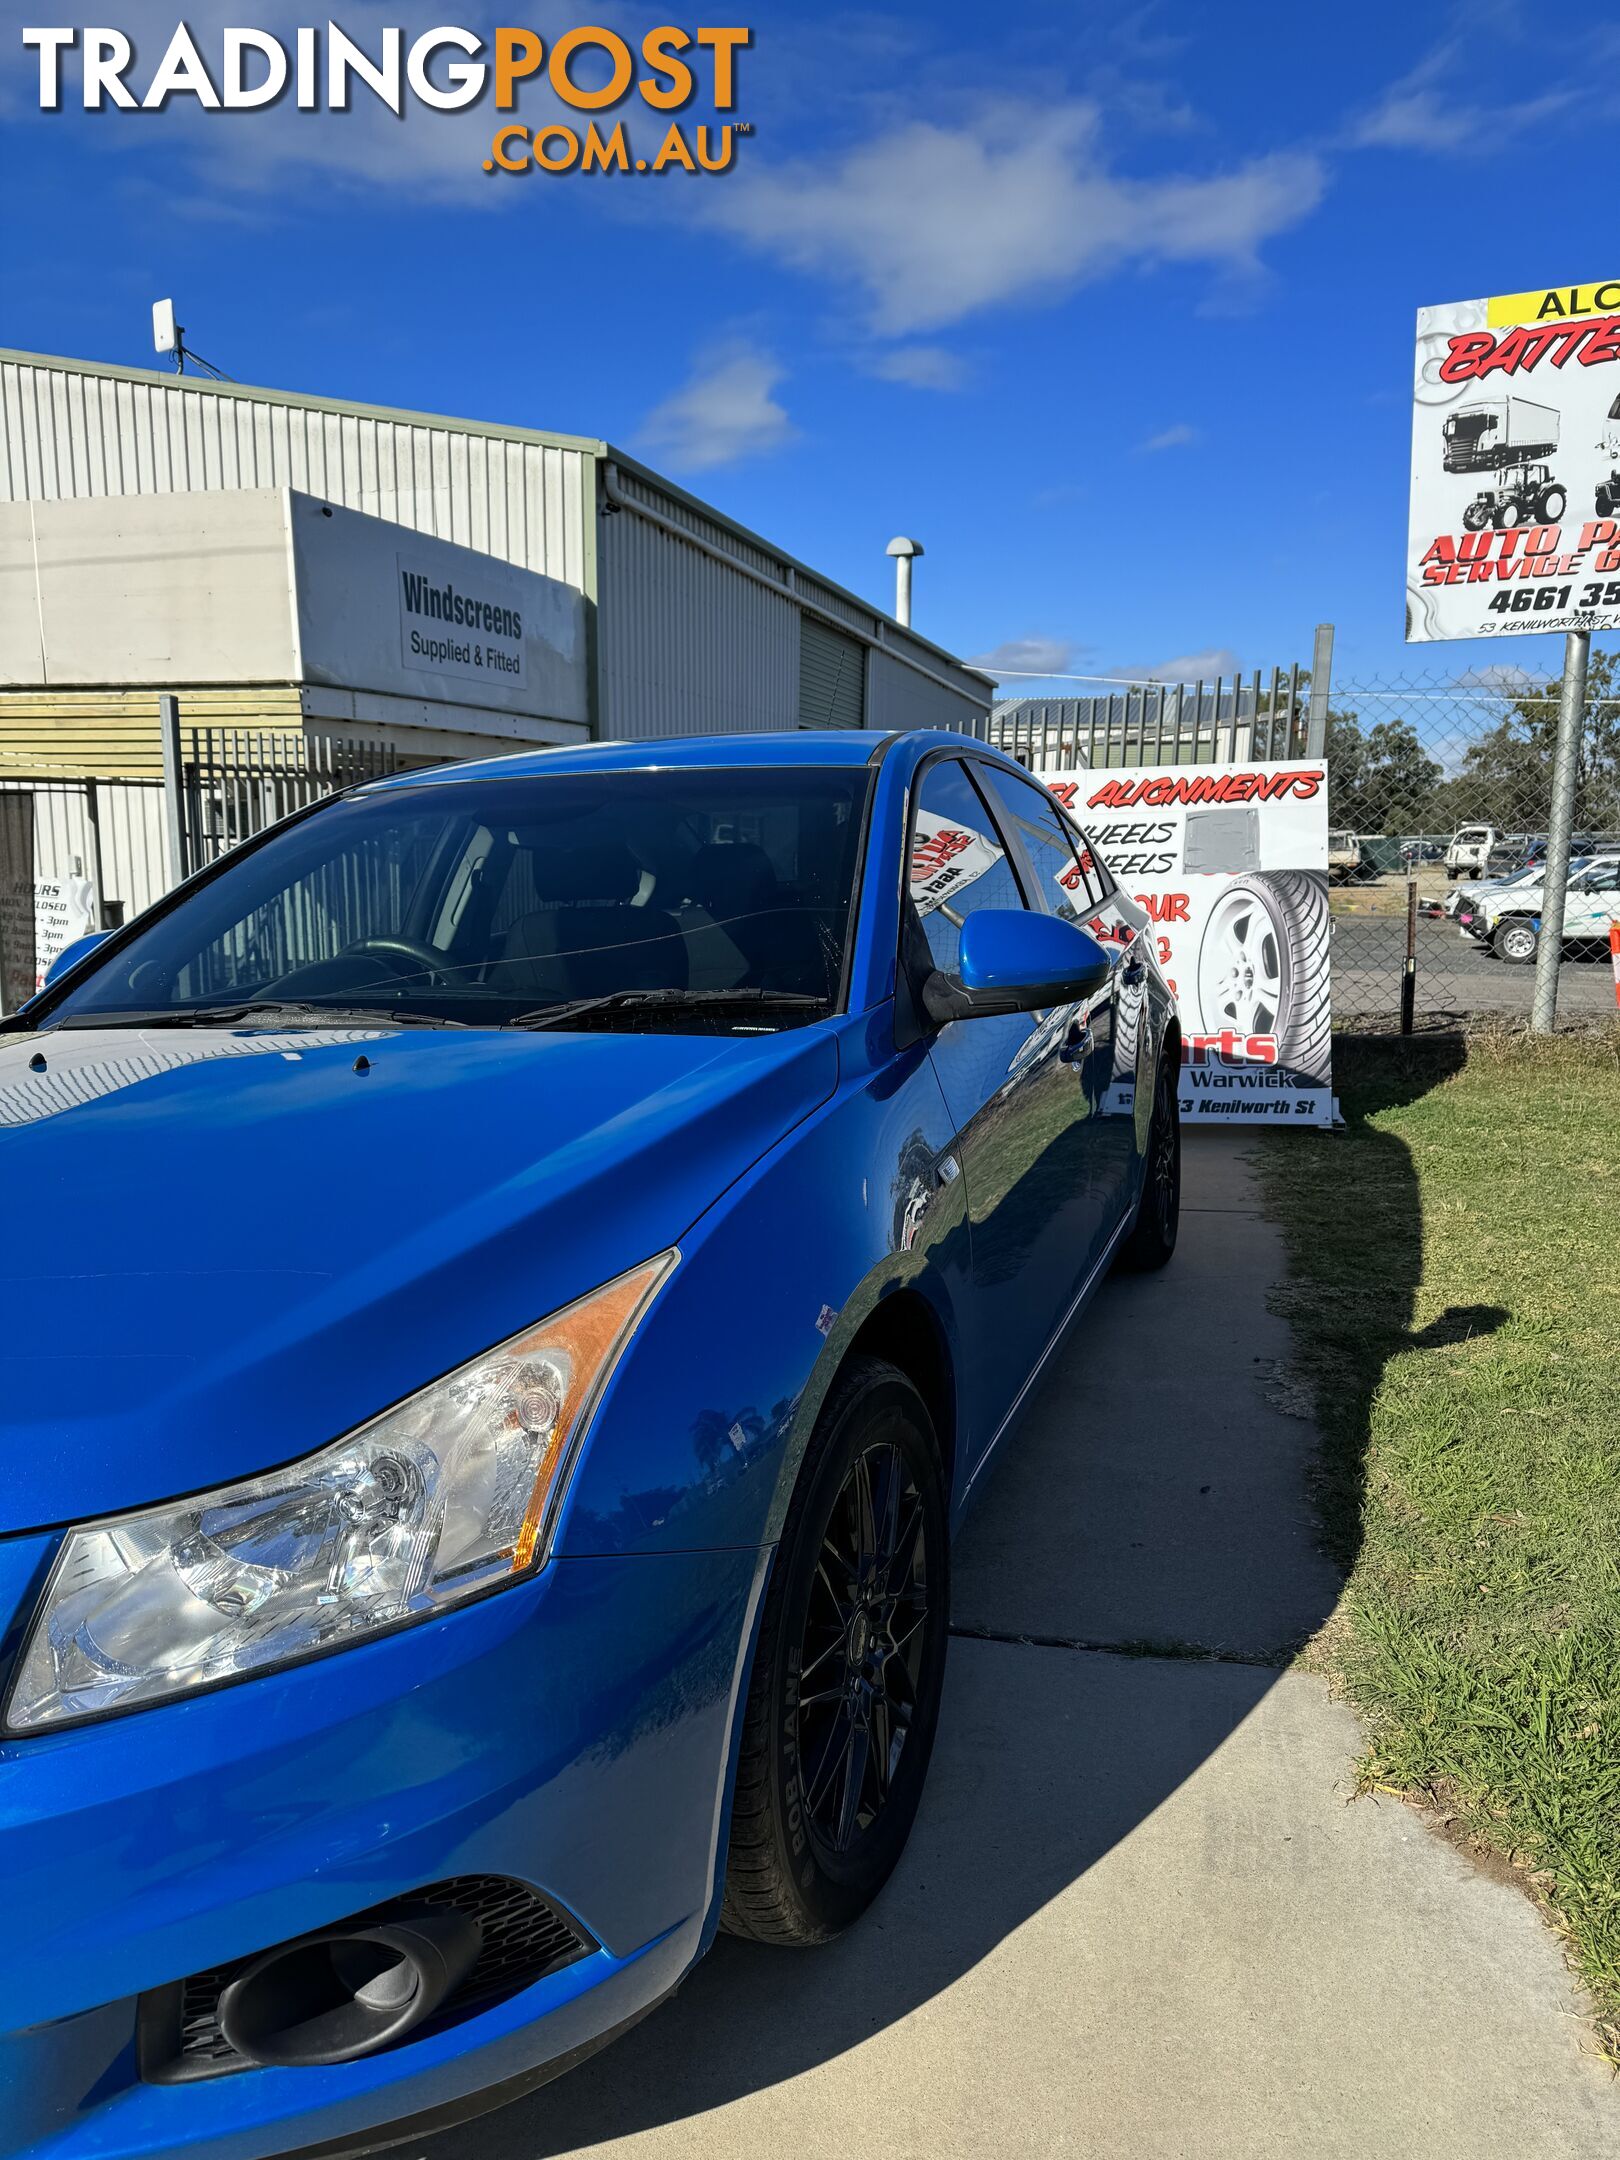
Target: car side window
957, 863
1060, 872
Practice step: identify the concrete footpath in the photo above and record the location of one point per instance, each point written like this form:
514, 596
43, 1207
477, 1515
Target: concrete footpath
1140, 1917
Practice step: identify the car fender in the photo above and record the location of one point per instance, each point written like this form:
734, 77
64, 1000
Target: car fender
699, 1438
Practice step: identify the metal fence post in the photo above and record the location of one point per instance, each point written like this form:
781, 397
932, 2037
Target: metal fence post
174, 812
1409, 971
1561, 816
92, 818
1321, 684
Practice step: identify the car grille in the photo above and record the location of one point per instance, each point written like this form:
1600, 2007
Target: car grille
525, 1938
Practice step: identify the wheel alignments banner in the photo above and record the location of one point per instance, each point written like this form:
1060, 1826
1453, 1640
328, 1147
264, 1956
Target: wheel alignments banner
1229, 862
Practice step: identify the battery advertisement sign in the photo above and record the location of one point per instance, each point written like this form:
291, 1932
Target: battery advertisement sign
1229, 863
1515, 519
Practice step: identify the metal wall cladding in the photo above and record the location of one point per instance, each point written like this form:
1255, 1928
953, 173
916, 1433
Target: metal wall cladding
70, 432
685, 643
898, 697
832, 677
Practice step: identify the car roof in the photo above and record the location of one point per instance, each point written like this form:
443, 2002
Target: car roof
802, 746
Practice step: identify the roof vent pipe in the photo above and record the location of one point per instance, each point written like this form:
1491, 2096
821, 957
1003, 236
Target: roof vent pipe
903, 550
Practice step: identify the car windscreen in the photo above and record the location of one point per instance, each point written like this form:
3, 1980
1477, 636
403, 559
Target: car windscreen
712, 897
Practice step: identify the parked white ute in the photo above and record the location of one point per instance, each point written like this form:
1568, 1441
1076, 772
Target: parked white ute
1470, 850
1476, 888
1508, 918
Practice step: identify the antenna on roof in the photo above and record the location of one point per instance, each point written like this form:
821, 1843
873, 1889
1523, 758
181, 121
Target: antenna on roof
169, 337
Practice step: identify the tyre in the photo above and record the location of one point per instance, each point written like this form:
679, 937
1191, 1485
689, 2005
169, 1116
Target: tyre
1509, 512
1262, 965
1550, 505
1477, 515
1515, 939
844, 1698
1606, 502
1158, 1213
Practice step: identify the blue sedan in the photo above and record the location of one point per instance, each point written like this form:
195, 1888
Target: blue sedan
512, 1278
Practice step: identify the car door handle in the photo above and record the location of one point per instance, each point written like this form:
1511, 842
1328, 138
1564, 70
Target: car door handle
1075, 1044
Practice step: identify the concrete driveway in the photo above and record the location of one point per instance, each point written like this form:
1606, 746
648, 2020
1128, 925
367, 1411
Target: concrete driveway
1140, 1915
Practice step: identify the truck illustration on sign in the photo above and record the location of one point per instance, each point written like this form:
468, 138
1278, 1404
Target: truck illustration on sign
1608, 490
1510, 438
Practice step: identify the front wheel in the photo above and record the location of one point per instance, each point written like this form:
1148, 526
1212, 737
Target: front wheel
1477, 515
1158, 1212
1515, 940
848, 1669
1551, 505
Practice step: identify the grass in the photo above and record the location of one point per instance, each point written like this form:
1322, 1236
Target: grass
1455, 1298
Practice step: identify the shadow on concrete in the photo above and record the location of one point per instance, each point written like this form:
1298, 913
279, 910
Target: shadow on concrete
1156, 1503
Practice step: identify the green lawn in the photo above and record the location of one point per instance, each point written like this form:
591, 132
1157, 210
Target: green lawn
1455, 1296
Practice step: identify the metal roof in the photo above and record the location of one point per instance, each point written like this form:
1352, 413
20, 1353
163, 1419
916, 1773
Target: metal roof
595, 447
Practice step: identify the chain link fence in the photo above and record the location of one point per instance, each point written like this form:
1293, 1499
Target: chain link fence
1438, 802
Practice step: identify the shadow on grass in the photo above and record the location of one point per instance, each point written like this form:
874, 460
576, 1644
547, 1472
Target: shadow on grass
1370, 1217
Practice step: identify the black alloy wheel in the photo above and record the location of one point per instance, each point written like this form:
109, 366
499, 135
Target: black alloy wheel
844, 1697
1152, 1239
860, 1669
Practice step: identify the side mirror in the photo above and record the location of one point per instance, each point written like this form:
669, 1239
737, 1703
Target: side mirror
71, 955
1013, 961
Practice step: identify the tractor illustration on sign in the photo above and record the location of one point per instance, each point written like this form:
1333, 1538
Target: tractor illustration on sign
1510, 439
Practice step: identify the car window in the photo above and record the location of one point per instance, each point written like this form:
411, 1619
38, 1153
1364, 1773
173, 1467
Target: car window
481, 899
1059, 877
957, 863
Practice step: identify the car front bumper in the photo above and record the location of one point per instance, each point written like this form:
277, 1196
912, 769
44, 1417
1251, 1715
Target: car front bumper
573, 1734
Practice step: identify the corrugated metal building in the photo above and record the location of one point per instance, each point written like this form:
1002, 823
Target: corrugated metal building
690, 621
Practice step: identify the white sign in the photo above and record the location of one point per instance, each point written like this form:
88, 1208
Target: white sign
64, 909
471, 627
1515, 521
1229, 862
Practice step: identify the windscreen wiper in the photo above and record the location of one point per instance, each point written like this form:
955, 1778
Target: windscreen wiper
545, 1016
296, 1014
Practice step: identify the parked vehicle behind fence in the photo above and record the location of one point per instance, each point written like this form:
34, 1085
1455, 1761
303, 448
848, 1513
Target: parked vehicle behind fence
1470, 850
1509, 917
526, 1266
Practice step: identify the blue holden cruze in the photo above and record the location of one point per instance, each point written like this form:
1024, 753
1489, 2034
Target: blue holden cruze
511, 1279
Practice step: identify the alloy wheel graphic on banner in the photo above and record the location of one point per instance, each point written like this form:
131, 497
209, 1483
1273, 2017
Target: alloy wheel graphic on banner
1230, 864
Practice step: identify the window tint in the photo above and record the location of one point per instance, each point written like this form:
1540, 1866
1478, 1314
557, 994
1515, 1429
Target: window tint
481, 899
958, 863
1059, 876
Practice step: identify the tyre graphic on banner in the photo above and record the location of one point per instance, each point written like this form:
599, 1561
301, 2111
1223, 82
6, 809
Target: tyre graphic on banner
1263, 965
1229, 865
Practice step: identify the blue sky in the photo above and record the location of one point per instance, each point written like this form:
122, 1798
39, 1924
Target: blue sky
1112, 309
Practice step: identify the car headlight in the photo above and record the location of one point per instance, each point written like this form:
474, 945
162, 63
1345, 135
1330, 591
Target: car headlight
444, 1497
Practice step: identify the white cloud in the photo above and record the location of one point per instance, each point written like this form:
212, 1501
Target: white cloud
1419, 112
723, 412
1186, 667
934, 222
1031, 656
1171, 438
920, 367
1503, 678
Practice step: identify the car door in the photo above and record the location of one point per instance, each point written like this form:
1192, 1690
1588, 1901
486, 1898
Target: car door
1592, 902
1015, 1089
1070, 884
